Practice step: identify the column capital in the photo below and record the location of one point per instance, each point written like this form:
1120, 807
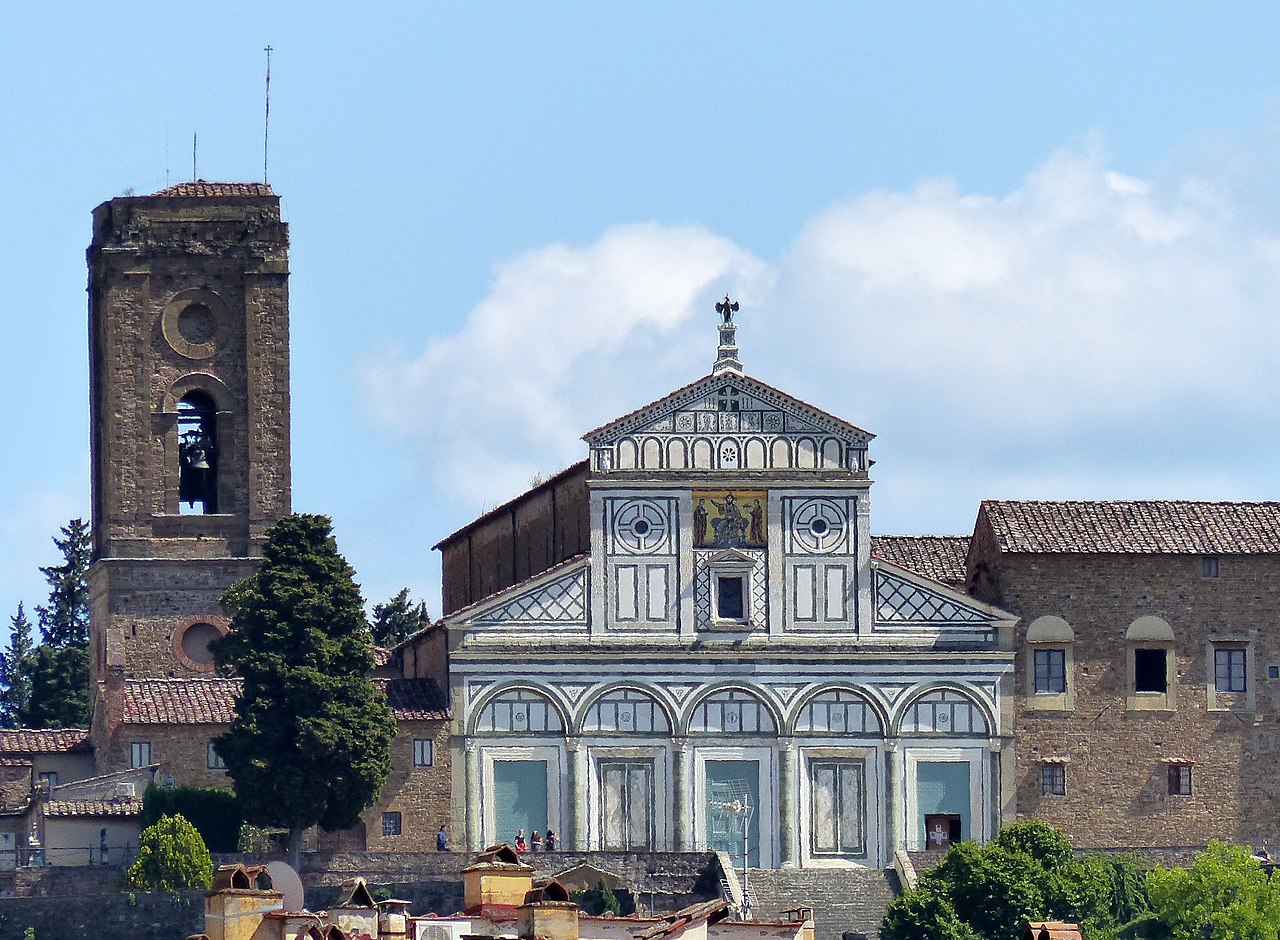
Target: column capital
787, 745
573, 744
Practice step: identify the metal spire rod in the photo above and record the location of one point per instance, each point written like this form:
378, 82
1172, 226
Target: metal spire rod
266, 121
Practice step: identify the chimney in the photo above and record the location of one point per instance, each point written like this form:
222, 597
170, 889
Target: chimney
393, 919
547, 914
235, 906
356, 912
497, 876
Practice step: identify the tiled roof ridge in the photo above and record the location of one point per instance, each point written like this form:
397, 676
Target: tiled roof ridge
42, 740
1135, 526
216, 188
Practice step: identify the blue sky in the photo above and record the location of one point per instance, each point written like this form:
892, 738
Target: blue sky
1034, 247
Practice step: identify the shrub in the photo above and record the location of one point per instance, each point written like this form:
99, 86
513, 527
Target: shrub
171, 857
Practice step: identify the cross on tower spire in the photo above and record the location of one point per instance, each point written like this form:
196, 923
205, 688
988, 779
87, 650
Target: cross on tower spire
727, 352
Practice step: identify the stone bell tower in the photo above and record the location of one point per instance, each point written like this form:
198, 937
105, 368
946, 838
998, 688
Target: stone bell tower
189, 401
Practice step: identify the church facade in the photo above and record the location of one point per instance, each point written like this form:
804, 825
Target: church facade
686, 642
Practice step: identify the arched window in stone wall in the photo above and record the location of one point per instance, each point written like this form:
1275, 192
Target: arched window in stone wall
197, 454
944, 711
519, 711
731, 711
838, 711
625, 711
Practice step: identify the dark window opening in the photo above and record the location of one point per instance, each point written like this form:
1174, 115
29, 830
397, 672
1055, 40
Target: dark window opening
1149, 671
197, 454
1053, 780
1051, 671
1209, 567
391, 824
729, 599
1228, 670
1179, 779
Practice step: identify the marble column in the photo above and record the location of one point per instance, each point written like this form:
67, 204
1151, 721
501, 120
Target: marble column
472, 770
993, 804
681, 824
787, 799
892, 803
577, 780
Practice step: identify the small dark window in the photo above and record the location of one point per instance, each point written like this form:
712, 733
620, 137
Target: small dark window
1273, 672
729, 600
1209, 566
1053, 780
215, 761
49, 777
1228, 670
1149, 673
391, 824
1051, 671
1179, 779
197, 454
140, 754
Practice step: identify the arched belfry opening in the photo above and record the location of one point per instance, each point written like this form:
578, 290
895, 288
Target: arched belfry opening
197, 454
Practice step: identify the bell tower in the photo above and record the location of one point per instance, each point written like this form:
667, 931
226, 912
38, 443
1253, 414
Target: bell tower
189, 410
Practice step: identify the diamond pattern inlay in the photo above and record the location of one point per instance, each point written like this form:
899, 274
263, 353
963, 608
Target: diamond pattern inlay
901, 601
560, 601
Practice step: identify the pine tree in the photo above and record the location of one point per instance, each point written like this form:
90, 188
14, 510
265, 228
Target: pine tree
64, 621
15, 671
398, 619
310, 743
59, 666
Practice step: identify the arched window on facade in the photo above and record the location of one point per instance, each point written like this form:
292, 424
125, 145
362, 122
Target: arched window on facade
197, 454
731, 711
625, 711
838, 711
516, 711
944, 711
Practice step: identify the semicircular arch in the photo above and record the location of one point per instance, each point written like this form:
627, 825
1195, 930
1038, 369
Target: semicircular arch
211, 385
838, 698
516, 708
909, 719
624, 708
731, 708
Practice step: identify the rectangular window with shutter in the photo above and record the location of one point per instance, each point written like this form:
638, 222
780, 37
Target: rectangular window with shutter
838, 807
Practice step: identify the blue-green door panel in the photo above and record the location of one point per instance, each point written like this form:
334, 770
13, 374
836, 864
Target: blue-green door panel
726, 781
519, 798
943, 787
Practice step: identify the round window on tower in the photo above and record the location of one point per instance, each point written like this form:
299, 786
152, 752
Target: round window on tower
191, 643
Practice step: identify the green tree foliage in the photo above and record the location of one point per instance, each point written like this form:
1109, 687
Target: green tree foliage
171, 857
214, 812
64, 621
59, 688
398, 619
1225, 895
1028, 872
15, 671
48, 686
310, 743
598, 900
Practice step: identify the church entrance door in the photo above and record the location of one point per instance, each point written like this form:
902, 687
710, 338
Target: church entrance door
519, 798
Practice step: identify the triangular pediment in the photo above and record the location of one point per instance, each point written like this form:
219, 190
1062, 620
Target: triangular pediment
556, 597
727, 403
903, 600
729, 557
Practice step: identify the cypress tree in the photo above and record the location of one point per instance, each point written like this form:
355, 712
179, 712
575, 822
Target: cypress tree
310, 743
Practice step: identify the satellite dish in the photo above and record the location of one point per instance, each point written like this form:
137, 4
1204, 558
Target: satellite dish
285, 880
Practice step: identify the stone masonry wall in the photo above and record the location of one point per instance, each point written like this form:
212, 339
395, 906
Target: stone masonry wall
1116, 775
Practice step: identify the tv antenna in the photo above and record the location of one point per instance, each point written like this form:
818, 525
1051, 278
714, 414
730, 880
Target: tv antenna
266, 119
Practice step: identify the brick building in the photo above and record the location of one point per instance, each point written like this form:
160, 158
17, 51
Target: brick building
1147, 671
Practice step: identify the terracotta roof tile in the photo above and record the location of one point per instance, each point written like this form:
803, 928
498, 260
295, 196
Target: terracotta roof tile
939, 557
117, 807
180, 701
414, 699
43, 740
202, 188
1135, 526
212, 701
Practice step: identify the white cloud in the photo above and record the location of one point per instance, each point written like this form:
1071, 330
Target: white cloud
1087, 306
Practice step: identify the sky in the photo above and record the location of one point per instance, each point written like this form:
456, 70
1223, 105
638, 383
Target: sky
1035, 248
